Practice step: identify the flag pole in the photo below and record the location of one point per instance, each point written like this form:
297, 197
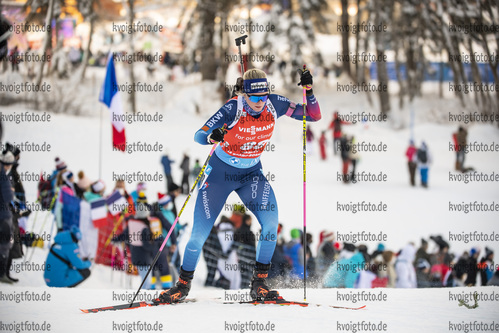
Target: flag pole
100, 144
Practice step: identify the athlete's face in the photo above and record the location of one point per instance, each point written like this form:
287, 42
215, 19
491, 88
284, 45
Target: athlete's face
258, 106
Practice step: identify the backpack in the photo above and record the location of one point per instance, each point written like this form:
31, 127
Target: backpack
422, 156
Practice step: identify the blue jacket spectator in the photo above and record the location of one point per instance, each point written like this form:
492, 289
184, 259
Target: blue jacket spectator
294, 251
64, 267
344, 272
166, 161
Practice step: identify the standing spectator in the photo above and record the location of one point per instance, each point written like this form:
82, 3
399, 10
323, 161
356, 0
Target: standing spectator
120, 187
310, 139
441, 270
294, 251
162, 267
173, 192
60, 167
83, 181
280, 265
141, 187
443, 249
282, 68
165, 160
19, 212
67, 208
486, 266
196, 169
6, 196
353, 156
406, 275
238, 211
460, 141
14, 58
410, 153
322, 145
89, 233
212, 250
5, 33
327, 252
311, 264
228, 266
422, 252
14, 154
494, 281
74, 56
336, 125
423, 276
345, 161
390, 272
424, 160
140, 239
165, 204
244, 243
341, 274
460, 269
185, 176
379, 250
243, 234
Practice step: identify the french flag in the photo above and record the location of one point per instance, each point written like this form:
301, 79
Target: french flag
116, 203
98, 212
109, 95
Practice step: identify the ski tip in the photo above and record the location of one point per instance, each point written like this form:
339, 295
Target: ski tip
84, 310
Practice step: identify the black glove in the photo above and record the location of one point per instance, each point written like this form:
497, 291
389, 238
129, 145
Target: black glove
306, 79
217, 135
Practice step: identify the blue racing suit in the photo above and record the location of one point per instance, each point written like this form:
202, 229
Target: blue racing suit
235, 166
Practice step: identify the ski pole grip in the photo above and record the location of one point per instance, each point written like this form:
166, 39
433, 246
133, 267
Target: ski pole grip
241, 39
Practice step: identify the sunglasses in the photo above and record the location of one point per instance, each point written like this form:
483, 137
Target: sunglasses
258, 98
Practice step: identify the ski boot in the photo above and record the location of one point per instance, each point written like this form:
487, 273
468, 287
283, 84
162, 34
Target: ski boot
178, 292
259, 290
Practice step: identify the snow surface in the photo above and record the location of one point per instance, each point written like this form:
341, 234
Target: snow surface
412, 213
421, 310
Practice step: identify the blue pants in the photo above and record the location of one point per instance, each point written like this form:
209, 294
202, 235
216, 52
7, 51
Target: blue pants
424, 175
256, 194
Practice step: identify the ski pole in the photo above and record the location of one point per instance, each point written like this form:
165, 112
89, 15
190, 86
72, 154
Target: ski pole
176, 220
304, 190
52, 203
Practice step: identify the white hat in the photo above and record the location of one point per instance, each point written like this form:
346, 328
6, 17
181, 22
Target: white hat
8, 158
98, 186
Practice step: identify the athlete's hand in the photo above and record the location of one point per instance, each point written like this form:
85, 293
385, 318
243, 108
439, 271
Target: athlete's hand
217, 135
305, 79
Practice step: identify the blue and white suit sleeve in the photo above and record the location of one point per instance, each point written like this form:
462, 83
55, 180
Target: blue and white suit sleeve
225, 115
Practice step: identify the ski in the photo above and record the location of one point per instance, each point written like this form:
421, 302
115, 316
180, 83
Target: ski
134, 305
341, 307
282, 301
279, 301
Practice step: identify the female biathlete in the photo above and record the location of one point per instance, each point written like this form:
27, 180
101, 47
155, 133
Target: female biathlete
243, 126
